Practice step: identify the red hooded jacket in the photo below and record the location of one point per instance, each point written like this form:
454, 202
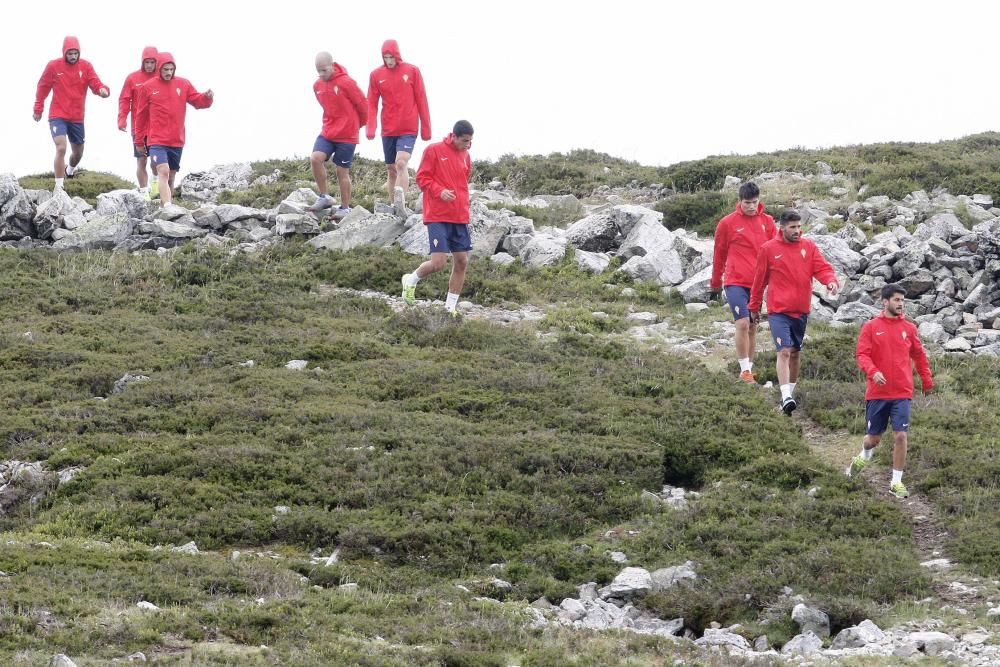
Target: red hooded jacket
888, 344
404, 100
68, 84
787, 271
444, 167
161, 107
738, 239
345, 110
126, 100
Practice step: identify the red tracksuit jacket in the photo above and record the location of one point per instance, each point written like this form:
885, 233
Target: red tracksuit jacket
404, 100
889, 344
445, 168
68, 84
345, 110
738, 239
126, 100
786, 270
162, 105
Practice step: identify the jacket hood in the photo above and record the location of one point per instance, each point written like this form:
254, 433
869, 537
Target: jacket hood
338, 70
392, 48
70, 43
162, 58
148, 52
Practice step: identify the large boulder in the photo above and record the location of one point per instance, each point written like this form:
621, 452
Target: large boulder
205, 185
837, 251
103, 232
130, 202
487, 229
943, 226
58, 211
543, 250
595, 233
627, 216
377, 230
591, 262
696, 289
171, 229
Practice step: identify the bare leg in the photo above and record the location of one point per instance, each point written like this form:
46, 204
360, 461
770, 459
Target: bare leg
432, 265
344, 180
318, 162
793, 365
59, 164
390, 182
899, 444
782, 363
402, 178
460, 262
140, 172
75, 154
163, 176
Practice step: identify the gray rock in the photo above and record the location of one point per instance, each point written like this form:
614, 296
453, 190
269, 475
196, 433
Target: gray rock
934, 332
592, 262
642, 318
515, 243
100, 233
858, 636
378, 230
127, 202
563, 206
761, 644
286, 224
987, 337
205, 216
811, 620
189, 548
697, 287
804, 644
172, 230
630, 582
124, 381
943, 226
720, 637
986, 201
647, 236
503, 259
931, 643
572, 610
414, 240
61, 660
855, 312
487, 230
917, 282
231, 213
595, 233
205, 185
668, 577
837, 251
542, 251
958, 344
628, 216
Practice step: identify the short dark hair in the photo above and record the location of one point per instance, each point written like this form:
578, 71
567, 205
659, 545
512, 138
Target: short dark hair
891, 290
789, 215
462, 128
749, 190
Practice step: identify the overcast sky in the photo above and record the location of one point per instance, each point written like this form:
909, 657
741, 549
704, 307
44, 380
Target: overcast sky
647, 80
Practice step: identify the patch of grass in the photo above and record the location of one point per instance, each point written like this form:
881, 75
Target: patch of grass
87, 184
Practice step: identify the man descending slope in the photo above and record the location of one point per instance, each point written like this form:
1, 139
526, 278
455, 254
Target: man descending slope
68, 78
738, 238
404, 110
159, 121
127, 108
888, 347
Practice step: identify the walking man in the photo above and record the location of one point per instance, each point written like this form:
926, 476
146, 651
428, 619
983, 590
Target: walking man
738, 239
888, 348
68, 78
158, 129
404, 111
786, 267
127, 108
345, 112
443, 177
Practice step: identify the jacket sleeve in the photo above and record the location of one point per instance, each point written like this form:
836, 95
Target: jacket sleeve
822, 269
863, 353
94, 81
426, 174
124, 103
44, 88
422, 109
919, 356
198, 100
720, 253
373, 96
760, 277
359, 102
140, 124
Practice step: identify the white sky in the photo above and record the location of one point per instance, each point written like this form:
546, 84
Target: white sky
647, 80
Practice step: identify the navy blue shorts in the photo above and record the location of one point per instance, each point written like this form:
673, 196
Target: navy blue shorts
343, 153
62, 127
166, 155
787, 331
738, 299
878, 412
401, 144
448, 237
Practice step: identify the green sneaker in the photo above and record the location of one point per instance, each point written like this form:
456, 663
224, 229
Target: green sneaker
899, 490
409, 291
858, 464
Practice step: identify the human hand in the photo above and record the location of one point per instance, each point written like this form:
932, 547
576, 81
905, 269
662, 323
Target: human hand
209, 94
833, 288
928, 390
370, 135
104, 92
714, 295
755, 317
36, 116
878, 378
447, 195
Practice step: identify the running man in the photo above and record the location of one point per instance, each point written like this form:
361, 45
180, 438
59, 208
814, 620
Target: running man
888, 347
345, 112
738, 238
404, 108
126, 108
68, 78
786, 267
158, 129
443, 177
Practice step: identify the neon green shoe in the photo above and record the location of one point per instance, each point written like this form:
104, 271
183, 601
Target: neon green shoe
409, 291
858, 464
899, 490
154, 189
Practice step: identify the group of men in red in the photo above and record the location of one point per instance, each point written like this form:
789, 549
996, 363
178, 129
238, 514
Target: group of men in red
753, 256
157, 100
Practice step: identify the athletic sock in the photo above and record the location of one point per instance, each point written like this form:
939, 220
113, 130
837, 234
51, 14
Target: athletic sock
745, 364
867, 453
451, 303
897, 476
412, 278
59, 184
786, 391
70, 170
792, 385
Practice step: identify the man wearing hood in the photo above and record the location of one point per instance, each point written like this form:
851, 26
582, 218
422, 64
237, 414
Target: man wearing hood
126, 107
443, 177
345, 112
68, 78
158, 127
404, 112
738, 238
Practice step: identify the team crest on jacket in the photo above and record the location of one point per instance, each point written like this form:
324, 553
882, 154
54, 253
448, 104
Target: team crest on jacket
803, 253
904, 335
336, 90
406, 78
178, 92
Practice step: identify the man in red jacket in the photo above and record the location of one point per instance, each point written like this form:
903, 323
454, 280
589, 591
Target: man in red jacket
888, 346
68, 78
738, 239
404, 108
126, 108
443, 177
786, 266
158, 129
345, 112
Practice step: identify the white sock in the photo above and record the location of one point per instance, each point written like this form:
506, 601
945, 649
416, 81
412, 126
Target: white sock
745, 364
792, 385
867, 453
412, 278
59, 184
144, 190
451, 303
786, 391
70, 170
897, 476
